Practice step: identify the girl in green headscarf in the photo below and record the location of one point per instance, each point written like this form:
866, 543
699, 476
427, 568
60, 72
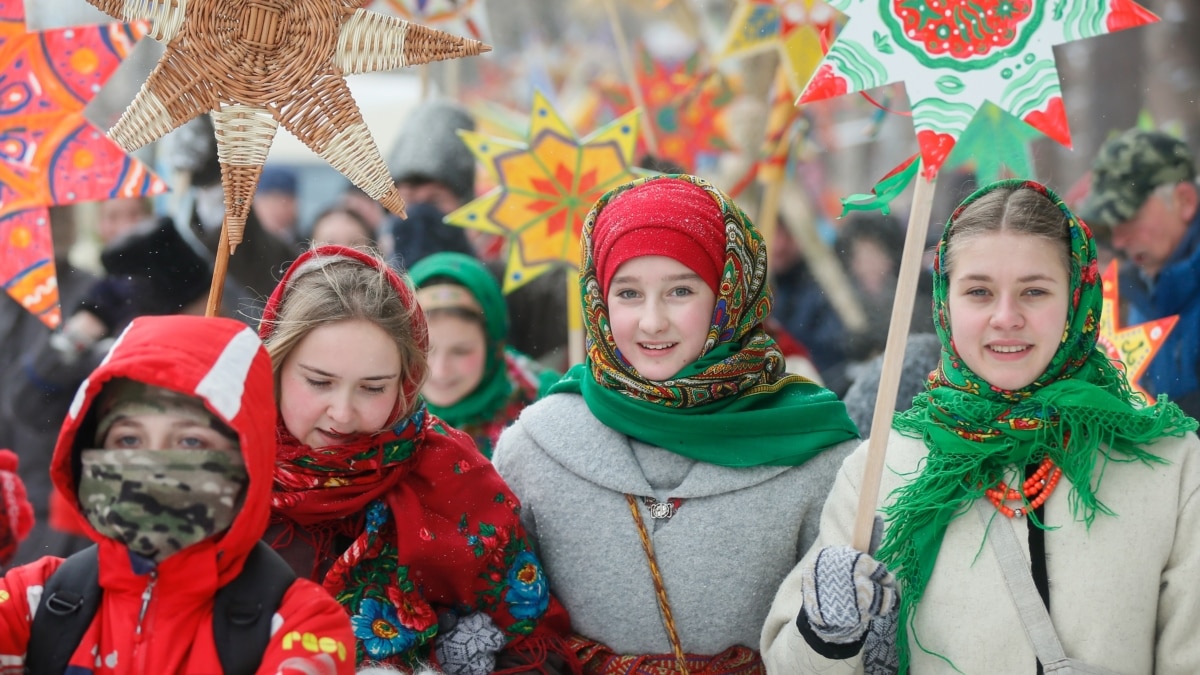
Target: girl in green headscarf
1040, 516
476, 382
675, 477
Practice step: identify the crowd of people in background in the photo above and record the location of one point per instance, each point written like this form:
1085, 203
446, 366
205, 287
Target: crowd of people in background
437, 486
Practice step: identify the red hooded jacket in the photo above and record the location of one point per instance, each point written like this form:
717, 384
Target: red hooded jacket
222, 362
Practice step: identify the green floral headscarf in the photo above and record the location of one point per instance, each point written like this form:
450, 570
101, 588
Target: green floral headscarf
735, 405
1079, 412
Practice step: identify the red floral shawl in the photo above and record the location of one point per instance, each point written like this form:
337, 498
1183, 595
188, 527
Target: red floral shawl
433, 527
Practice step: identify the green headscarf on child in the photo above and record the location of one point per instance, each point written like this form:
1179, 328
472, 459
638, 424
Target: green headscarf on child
979, 435
735, 405
495, 389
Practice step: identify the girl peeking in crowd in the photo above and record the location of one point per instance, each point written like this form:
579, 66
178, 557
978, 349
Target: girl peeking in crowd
476, 382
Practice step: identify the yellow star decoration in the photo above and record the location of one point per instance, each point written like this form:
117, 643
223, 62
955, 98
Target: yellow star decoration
258, 64
546, 187
1133, 346
794, 27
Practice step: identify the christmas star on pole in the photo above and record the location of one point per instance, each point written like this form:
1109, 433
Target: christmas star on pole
953, 56
259, 64
685, 107
546, 187
1132, 346
49, 153
796, 28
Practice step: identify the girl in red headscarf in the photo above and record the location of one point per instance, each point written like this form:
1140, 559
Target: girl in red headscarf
676, 476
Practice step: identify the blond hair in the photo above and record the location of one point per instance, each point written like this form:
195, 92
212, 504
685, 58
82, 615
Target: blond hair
328, 289
1019, 209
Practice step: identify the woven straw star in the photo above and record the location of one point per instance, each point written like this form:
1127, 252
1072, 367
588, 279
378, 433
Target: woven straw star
258, 64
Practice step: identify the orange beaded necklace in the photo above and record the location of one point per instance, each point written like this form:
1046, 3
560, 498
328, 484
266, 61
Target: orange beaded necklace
1034, 491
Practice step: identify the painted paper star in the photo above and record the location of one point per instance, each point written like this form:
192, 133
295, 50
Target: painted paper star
1133, 346
685, 107
49, 153
955, 54
797, 28
993, 143
258, 64
546, 188
461, 17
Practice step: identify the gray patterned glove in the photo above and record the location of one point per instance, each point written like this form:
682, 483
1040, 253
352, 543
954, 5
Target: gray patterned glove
843, 590
469, 648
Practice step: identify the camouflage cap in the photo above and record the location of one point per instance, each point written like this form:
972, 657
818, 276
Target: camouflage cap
1128, 169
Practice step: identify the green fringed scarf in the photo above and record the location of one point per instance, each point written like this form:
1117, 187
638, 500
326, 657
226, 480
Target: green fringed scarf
734, 406
1080, 412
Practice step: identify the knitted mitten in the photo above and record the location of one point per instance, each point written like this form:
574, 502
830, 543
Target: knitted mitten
469, 648
16, 513
879, 648
843, 590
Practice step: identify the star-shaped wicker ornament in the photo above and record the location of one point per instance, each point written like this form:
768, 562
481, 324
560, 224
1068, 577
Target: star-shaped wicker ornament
258, 64
1133, 346
953, 55
546, 188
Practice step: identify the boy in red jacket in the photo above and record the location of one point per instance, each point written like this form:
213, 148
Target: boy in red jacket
166, 457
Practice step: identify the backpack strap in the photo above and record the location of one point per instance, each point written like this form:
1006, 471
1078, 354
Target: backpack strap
242, 611
70, 598
244, 607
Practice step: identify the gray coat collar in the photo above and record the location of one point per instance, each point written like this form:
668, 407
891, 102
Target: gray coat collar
568, 432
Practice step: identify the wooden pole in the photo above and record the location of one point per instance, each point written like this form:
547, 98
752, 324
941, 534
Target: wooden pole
626, 58
575, 342
823, 262
768, 210
425, 77
453, 70
220, 268
893, 358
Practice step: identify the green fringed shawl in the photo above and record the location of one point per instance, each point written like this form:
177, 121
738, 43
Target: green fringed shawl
1081, 412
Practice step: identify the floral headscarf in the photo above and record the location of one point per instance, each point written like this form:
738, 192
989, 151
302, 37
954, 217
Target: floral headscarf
735, 405
1079, 412
431, 525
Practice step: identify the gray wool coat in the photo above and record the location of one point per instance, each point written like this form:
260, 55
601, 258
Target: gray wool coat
723, 555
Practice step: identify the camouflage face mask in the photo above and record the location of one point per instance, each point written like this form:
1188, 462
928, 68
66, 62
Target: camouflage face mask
161, 501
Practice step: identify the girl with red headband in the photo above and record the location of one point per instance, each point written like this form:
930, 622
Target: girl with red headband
399, 516
675, 477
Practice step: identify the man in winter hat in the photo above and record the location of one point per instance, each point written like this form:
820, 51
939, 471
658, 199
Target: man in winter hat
1144, 196
429, 162
435, 171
